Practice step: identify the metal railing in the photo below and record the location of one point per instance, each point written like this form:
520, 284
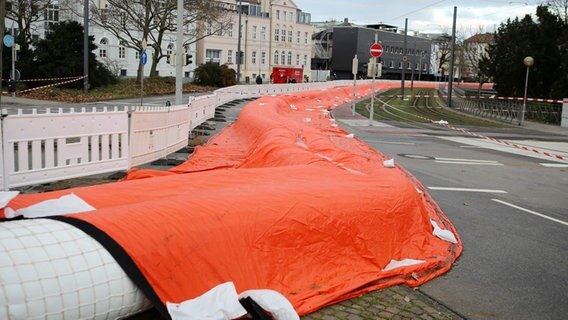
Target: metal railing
508, 109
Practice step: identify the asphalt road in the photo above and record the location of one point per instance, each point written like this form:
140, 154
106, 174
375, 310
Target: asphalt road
514, 228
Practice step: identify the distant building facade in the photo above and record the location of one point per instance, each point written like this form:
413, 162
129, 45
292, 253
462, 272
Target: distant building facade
349, 41
274, 34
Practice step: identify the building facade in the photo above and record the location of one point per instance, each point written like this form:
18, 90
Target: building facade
274, 34
349, 41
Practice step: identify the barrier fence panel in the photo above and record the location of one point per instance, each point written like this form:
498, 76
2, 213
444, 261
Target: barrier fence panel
156, 132
202, 108
59, 144
40, 148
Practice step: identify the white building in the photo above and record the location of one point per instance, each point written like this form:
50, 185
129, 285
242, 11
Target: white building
280, 36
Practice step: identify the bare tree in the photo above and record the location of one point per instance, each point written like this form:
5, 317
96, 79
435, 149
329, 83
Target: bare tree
26, 13
560, 6
135, 21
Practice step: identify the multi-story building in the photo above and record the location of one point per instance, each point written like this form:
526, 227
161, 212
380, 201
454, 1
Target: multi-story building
350, 40
274, 34
472, 51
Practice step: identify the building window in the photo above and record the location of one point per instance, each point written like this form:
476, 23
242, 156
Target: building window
306, 38
263, 33
230, 31
229, 56
103, 47
391, 64
400, 65
283, 35
297, 59
276, 34
122, 50
51, 15
305, 60
283, 57
254, 32
298, 35
277, 14
289, 58
263, 57
253, 57
169, 51
137, 55
123, 72
290, 35
213, 55
276, 56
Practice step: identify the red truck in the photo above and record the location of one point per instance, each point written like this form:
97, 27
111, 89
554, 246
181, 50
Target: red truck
287, 75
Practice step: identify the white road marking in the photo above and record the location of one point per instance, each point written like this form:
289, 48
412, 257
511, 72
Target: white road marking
466, 190
471, 163
554, 165
531, 212
466, 160
392, 142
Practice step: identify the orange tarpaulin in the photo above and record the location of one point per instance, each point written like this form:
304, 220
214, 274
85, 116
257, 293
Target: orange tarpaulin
282, 199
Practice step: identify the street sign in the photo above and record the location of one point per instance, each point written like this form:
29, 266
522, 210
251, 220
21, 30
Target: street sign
8, 40
355, 66
143, 58
376, 50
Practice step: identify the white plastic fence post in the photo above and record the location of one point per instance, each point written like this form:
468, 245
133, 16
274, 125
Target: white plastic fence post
564, 121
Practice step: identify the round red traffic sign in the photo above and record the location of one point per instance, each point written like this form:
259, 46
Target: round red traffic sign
376, 50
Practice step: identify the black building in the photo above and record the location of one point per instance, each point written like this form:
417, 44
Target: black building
351, 40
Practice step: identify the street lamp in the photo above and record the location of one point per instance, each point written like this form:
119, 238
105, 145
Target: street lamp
528, 62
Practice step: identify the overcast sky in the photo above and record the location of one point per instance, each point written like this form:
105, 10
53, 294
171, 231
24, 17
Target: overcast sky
423, 15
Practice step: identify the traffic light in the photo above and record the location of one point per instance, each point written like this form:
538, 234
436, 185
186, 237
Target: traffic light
171, 59
188, 60
11, 86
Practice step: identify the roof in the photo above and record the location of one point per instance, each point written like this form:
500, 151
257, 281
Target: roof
480, 38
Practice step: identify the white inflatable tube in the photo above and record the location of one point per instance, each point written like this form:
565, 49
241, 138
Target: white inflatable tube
52, 270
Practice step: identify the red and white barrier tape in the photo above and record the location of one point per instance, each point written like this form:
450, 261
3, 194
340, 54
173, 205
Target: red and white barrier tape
46, 79
510, 144
53, 84
482, 97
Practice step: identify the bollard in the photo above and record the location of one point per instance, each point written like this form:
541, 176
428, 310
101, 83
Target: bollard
564, 120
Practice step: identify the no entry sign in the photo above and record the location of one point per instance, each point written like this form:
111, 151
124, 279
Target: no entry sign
376, 50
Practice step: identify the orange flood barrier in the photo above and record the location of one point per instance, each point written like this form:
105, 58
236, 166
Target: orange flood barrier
282, 199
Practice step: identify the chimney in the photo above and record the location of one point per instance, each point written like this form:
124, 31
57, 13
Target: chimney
346, 20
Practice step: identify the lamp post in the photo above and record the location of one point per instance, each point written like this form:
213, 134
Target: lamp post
528, 62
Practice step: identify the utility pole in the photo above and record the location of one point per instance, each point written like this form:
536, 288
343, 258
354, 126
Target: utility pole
2, 30
180, 59
239, 56
404, 60
86, 45
452, 61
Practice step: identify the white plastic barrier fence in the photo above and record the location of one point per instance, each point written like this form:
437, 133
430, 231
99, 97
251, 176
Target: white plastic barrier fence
156, 132
54, 144
38, 148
